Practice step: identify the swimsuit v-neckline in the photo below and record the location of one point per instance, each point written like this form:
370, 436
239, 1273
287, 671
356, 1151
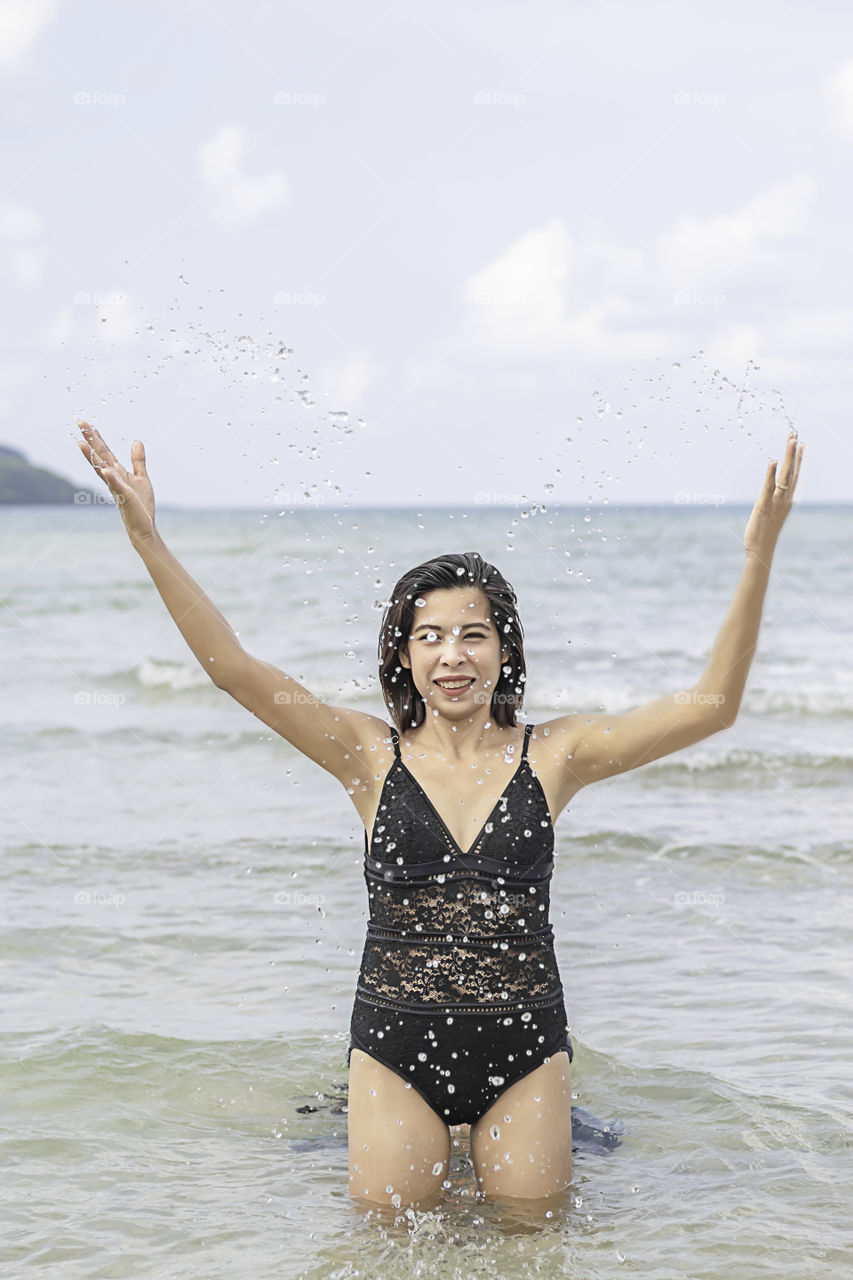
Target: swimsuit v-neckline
464, 853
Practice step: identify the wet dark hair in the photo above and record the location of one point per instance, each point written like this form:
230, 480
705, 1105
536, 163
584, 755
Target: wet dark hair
466, 569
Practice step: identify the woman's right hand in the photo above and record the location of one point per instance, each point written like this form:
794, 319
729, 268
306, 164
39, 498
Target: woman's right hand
132, 491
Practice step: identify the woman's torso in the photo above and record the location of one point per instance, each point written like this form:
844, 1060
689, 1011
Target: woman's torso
463, 923
464, 795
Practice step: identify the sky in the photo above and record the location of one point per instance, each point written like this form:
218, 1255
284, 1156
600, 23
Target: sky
431, 253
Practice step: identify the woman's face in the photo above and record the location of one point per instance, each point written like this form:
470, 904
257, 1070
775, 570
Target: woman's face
453, 652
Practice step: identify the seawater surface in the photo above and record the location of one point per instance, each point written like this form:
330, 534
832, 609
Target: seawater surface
184, 907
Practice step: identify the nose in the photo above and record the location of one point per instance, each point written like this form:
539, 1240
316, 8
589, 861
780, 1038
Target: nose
451, 652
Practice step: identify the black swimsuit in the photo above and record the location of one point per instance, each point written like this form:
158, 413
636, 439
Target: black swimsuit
467, 1009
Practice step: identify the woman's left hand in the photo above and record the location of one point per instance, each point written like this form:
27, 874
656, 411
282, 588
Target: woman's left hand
774, 503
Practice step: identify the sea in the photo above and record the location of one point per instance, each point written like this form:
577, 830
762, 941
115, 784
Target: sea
184, 909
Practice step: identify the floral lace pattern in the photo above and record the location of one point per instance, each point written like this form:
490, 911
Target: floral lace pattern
459, 905
456, 973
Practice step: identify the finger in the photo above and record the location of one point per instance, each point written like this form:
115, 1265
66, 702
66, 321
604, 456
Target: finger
769, 480
797, 469
106, 470
88, 452
109, 457
788, 462
137, 457
100, 464
101, 445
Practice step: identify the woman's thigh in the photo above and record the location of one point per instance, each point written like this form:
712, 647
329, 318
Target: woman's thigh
522, 1146
398, 1145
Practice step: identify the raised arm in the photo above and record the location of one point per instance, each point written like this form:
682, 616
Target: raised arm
331, 736
588, 747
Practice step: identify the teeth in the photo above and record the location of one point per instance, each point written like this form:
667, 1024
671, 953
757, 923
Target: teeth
454, 684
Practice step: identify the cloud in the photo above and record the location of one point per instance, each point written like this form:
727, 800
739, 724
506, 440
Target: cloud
838, 96
520, 297
551, 296
20, 255
240, 197
519, 303
706, 253
21, 24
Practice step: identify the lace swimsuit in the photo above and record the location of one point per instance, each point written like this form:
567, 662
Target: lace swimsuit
459, 991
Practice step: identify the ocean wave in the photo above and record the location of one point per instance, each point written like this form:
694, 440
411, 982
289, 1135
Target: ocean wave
824, 701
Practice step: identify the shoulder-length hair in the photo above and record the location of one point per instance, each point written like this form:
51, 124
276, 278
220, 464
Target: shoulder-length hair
467, 569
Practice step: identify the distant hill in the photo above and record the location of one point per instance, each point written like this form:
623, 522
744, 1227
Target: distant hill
21, 482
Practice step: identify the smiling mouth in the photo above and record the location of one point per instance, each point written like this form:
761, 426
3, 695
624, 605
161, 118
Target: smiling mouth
455, 686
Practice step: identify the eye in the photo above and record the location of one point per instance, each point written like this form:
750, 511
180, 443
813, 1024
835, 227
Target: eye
431, 637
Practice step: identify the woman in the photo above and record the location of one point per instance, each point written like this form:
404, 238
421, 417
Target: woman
459, 1014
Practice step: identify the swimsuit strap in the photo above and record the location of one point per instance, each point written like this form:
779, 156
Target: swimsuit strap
395, 738
528, 729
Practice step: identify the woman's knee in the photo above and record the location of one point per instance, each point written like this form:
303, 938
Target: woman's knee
406, 1176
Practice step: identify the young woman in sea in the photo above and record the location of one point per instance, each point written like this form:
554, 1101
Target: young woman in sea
459, 1018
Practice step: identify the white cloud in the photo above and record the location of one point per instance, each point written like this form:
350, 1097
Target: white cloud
240, 197
595, 334
19, 255
550, 296
838, 96
518, 304
705, 253
519, 299
21, 24
347, 382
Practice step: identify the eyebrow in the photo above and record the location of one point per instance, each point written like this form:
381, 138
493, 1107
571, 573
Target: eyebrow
466, 626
